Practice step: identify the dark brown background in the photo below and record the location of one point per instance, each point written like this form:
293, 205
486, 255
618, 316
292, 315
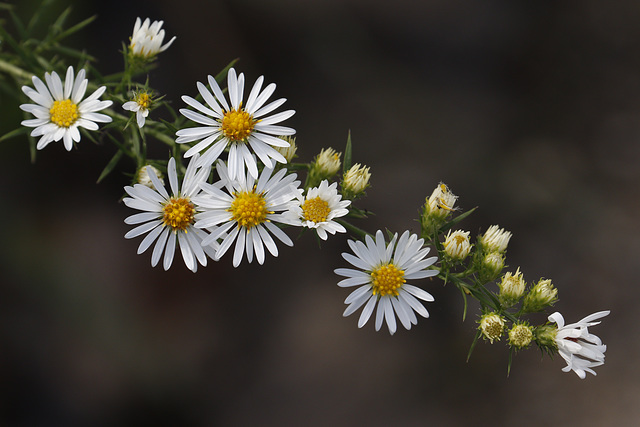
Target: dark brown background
530, 110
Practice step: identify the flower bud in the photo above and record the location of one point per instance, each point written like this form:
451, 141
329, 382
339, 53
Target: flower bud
495, 239
456, 245
142, 177
540, 296
438, 207
491, 266
491, 326
545, 337
356, 180
511, 287
328, 162
520, 336
325, 166
288, 152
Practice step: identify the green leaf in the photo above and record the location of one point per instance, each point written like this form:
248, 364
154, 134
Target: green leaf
346, 165
110, 166
39, 13
15, 132
18, 24
510, 360
473, 344
464, 297
75, 28
456, 220
222, 74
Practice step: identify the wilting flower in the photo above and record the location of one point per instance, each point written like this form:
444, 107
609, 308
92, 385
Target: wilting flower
579, 348
60, 110
520, 336
383, 271
491, 326
438, 207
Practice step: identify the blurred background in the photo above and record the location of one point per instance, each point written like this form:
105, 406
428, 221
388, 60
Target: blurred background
529, 110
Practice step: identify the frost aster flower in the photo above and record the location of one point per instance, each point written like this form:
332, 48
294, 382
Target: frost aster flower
579, 348
383, 271
169, 218
319, 208
60, 110
140, 105
147, 38
247, 212
236, 125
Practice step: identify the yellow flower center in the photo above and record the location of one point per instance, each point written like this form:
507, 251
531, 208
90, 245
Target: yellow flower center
237, 125
144, 101
315, 210
387, 279
178, 213
64, 113
249, 209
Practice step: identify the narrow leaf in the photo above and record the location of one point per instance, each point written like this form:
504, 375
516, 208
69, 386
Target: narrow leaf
347, 154
110, 166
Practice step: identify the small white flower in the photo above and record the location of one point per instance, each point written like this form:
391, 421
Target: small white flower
383, 271
147, 38
139, 105
169, 218
319, 209
60, 110
236, 125
580, 349
247, 211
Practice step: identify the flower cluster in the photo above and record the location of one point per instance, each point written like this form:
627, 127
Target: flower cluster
241, 189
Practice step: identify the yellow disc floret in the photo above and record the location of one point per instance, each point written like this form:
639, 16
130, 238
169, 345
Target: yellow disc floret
64, 113
315, 210
144, 101
178, 213
237, 125
386, 280
249, 209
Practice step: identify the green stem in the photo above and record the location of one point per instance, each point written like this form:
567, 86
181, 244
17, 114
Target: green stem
14, 71
352, 228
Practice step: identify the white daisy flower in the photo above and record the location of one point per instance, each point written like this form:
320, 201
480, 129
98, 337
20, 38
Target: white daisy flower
169, 218
147, 38
139, 105
247, 211
236, 125
319, 209
383, 271
580, 349
60, 110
